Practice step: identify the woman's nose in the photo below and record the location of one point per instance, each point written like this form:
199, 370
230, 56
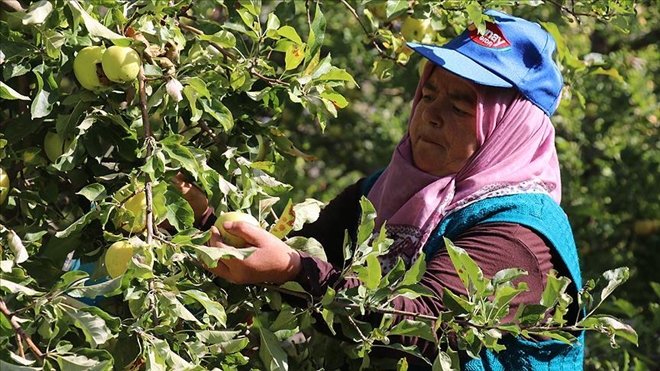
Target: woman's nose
433, 114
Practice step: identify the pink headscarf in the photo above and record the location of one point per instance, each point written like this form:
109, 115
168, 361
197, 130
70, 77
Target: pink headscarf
516, 155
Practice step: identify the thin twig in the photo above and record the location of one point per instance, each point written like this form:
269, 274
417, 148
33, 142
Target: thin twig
148, 182
20, 332
222, 50
371, 37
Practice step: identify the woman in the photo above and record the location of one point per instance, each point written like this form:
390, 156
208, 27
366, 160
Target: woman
478, 165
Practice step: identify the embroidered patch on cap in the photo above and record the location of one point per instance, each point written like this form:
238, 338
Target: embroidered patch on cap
493, 38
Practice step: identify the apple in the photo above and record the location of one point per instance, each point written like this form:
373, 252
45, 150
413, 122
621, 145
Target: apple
54, 146
4, 185
121, 63
413, 29
85, 67
132, 216
118, 257
234, 216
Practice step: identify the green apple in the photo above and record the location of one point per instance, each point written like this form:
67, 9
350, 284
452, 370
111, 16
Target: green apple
132, 216
54, 146
234, 216
85, 67
414, 29
4, 185
118, 257
121, 64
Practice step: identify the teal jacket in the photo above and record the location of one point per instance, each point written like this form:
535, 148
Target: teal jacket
542, 214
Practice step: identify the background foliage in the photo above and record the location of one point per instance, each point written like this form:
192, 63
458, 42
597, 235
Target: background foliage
278, 100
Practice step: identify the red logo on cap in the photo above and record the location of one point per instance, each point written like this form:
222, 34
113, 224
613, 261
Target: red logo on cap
493, 37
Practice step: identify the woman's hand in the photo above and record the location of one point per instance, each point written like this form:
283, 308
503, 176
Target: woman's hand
191, 193
273, 261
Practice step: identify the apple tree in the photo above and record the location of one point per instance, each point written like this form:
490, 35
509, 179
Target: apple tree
107, 104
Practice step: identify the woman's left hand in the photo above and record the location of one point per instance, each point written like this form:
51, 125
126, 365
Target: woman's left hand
273, 261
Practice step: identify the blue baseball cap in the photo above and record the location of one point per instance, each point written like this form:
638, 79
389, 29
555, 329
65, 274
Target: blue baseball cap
512, 52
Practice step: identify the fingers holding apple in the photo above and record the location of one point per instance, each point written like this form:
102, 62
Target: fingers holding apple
272, 261
234, 216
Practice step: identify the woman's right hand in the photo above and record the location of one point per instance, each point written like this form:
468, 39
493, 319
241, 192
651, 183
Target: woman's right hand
191, 193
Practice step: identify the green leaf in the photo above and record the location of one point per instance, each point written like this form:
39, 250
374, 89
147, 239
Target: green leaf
174, 308
79, 224
94, 27
315, 39
42, 105
271, 352
611, 72
611, 326
212, 307
366, 227
165, 356
308, 245
53, 41
5, 366
370, 274
210, 255
293, 56
174, 150
414, 328
456, 303
291, 34
16, 288
94, 327
504, 295
106, 288
6, 92
415, 273
307, 211
176, 209
223, 38
75, 362
563, 336
38, 13
336, 74
530, 315
444, 362
219, 112
615, 278
93, 192
329, 318
468, 271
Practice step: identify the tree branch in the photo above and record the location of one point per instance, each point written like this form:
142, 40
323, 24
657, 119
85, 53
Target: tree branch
371, 37
22, 335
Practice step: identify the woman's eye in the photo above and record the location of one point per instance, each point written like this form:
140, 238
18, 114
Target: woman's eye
458, 110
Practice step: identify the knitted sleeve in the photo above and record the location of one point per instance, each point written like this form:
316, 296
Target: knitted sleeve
493, 246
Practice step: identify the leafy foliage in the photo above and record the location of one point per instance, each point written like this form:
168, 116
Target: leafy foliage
264, 105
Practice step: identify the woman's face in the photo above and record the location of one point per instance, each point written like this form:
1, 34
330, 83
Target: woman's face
443, 130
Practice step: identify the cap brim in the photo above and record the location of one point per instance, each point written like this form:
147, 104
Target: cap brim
459, 64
